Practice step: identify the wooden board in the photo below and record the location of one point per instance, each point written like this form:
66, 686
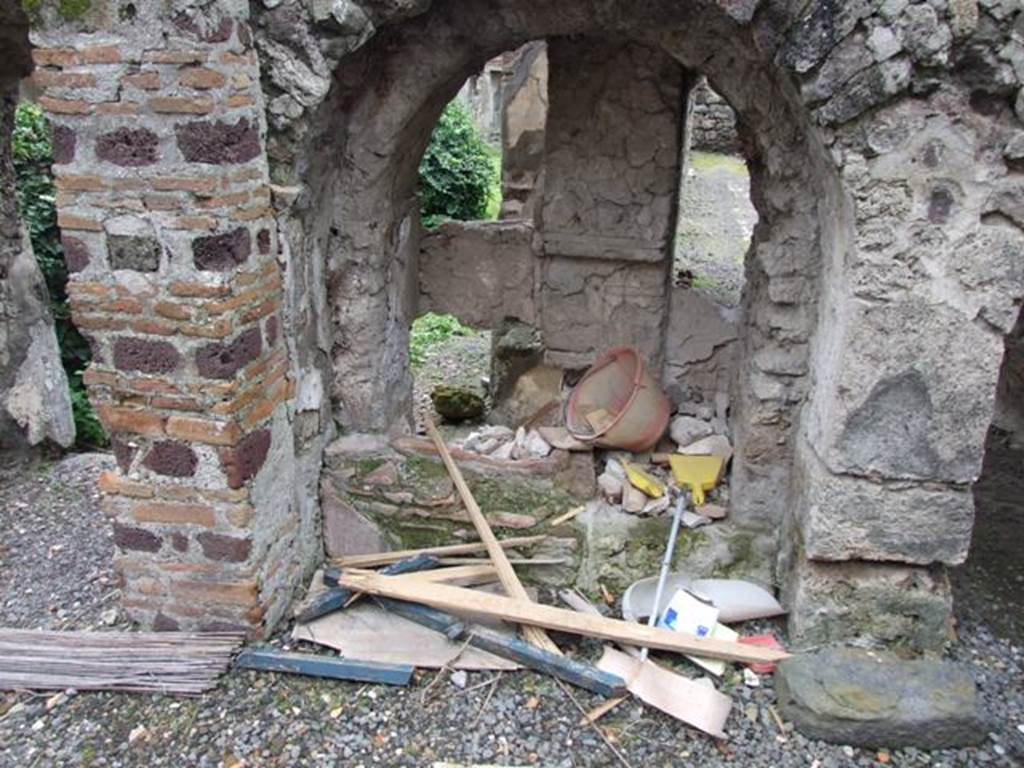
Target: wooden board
337, 597
524, 612
271, 660
506, 573
369, 633
375, 559
570, 670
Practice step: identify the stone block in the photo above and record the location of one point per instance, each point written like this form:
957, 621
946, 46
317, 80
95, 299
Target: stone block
215, 142
171, 458
224, 360
874, 699
137, 539
145, 355
229, 549
243, 461
134, 252
891, 605
128, 147
222, 252
76, 253
913, 396
63, 144
844, 517
700, 343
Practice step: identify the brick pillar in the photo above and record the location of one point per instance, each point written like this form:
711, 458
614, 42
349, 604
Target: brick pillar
164, 206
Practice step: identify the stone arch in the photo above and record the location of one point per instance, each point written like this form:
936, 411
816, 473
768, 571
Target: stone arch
886, 147
368, 135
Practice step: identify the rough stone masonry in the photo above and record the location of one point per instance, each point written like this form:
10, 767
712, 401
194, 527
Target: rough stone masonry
236, 185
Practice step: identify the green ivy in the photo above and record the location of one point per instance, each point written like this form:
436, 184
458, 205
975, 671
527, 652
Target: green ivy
429, 331
459, 176
32, 151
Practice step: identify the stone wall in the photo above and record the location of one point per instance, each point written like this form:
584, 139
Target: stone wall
479, 271
884, 272
35, 404
611, 178
713, 122
524, 117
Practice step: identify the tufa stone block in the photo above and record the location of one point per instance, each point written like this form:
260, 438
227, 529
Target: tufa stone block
123, 454
76, 253
171, 458
224, 360
217, 142
63, 139
217, 253
145, 356
129, 147
874, 699
138, 539
135, 252
229, 549
242, 462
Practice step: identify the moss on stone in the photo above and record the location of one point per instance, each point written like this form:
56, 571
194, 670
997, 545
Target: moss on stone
38, 11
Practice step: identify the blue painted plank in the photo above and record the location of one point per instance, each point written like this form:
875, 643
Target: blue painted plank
571, 671
335, 598
271, 660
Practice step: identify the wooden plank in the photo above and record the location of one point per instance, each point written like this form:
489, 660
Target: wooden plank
475, 573
506, 573
571, 671
270, 660
448, 598
337, 597
384, 558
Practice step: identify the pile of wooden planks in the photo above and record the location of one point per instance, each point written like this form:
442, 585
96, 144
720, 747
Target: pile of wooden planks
156, 662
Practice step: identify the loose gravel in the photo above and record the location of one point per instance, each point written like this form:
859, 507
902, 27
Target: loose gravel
55, 573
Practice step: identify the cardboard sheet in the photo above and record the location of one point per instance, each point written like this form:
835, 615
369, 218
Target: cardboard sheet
368, 633
696, 704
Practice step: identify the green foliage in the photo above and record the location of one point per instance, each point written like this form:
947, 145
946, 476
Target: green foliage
430, 331
32, 152
458, 173
68, 10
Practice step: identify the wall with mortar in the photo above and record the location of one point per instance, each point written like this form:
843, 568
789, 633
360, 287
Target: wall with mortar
713, 121
885, 269
611, 179
35, 404
165, 209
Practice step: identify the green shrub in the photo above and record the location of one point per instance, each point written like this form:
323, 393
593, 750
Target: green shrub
429, 331
460, 175
32, 152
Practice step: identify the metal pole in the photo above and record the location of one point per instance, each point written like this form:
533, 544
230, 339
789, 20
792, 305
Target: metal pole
665, 565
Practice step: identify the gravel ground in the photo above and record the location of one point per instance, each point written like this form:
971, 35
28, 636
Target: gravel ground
52, 533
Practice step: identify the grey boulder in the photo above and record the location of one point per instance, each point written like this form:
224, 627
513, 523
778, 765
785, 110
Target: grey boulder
873, 699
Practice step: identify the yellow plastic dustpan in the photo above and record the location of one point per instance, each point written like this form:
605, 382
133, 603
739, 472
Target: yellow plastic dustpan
698, 473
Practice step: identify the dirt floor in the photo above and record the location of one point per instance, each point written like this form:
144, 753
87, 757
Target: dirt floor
55, 555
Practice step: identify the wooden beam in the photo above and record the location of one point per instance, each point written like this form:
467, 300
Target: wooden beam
337, 597
571, 671
384, 558
506, 573
270, 660
459, 599
477, 573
